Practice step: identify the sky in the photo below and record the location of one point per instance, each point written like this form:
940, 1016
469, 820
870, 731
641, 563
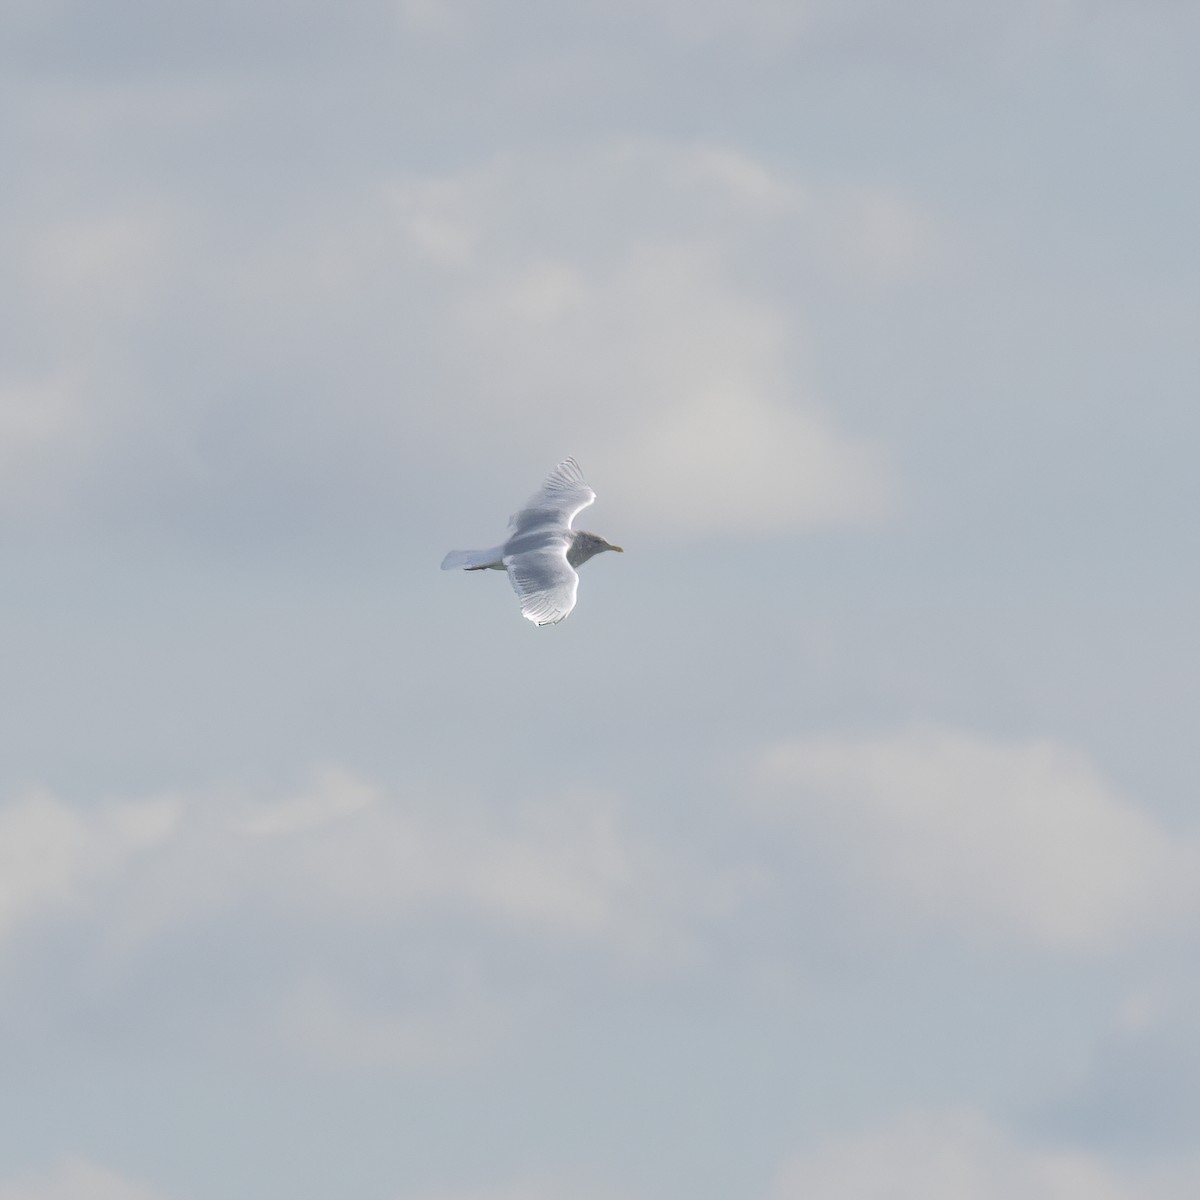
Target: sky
842, 844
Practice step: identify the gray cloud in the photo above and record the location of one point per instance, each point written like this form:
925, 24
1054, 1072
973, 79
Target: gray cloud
75, 1178
962, 1155
872, 325
1021, 840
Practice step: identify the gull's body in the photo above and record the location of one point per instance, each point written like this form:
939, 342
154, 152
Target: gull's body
542, 550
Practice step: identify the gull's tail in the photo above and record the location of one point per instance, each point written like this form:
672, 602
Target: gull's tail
474, 560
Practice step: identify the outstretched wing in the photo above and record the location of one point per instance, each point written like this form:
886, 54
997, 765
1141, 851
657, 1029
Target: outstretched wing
561, 498
544, 581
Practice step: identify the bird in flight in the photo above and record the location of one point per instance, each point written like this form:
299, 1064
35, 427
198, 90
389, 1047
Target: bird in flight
543, 551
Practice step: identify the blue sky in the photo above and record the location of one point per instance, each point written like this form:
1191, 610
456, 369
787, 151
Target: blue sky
842, 843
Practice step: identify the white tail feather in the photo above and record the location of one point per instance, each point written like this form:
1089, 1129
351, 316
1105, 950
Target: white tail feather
473, 560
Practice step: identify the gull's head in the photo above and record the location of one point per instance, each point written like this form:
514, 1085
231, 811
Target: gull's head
586, 545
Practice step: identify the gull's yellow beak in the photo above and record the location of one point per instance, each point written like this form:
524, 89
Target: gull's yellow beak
618, 549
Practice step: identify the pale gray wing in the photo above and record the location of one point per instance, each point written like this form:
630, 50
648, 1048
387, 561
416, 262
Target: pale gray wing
544, 581
555, 506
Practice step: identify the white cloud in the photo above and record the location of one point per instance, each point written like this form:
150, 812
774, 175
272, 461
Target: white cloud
959, 1154
89, 271
45, 437
566, 869
327, 1025
623, 299
75, 1179
436, 18
749, 184
461, 889
878, 239
1021, 839
34, 416
939, 31
761, 23
684, 397
528, 1189
82, 284
335, 796
767, 23
640, 303
55, 857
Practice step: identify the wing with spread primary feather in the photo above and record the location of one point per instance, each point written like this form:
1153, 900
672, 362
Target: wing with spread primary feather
561, 498
544, 582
